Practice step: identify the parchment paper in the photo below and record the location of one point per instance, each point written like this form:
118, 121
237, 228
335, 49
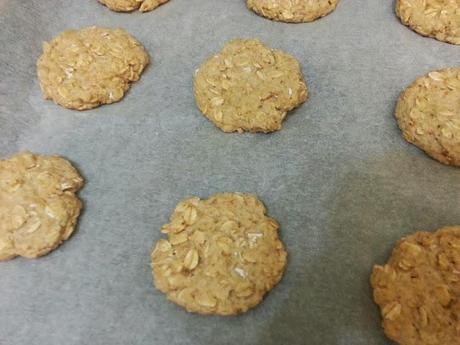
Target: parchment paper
339, 178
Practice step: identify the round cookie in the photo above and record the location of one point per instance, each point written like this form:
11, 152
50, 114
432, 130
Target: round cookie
131, 5
38, 205
418, 290
428, 113
292, 11
249, 87
86, 68
439, 19
222, 255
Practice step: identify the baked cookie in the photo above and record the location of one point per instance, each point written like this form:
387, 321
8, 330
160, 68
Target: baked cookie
131, 5
428, 113
86, 68
38, 205
418, 290
222, 255
292, 11
439, 19
249, 87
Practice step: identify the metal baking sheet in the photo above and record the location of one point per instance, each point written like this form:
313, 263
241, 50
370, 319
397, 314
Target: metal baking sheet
339, 178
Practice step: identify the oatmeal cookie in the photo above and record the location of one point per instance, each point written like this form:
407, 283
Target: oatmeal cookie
131, 5
418, 289
292, 11
439, 19
428, 113
82, 69
249, 87
222, 254
38, 205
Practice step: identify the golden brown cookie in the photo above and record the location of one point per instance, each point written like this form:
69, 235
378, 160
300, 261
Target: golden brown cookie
38, 205
418, 290
86, 68
439, 19
222, 254
249, 87
428, 113
293, 11
131, 5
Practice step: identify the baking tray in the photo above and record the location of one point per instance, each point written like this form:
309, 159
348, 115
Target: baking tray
339, 178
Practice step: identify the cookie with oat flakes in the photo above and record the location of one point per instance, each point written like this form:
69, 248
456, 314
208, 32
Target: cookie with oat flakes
38, 205
418, 289
428, 114
292, 11
249, 87
82, 69
131, 5
439, 19
222, 254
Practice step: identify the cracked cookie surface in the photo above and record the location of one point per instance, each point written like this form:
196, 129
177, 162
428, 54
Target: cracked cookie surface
131, 5
82, 69
439, 19
222, 254
38, 205
428, 114
249, 87
292, 11
418, 289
